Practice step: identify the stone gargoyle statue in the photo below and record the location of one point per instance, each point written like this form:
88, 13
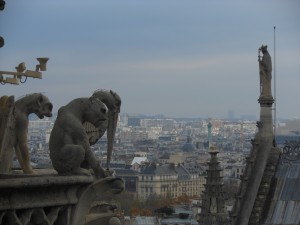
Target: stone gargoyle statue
38, 104
113, 102
69, 145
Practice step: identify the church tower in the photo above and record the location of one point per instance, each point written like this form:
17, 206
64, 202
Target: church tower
213, 210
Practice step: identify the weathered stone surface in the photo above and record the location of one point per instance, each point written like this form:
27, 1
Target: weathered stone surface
15, 128
49, 199
265, 71
30, 191
69, 145
113, 103
7, 132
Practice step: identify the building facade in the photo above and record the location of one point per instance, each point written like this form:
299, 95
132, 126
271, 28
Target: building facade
170, 180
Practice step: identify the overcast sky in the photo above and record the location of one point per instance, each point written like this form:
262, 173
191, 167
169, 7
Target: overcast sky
188, 58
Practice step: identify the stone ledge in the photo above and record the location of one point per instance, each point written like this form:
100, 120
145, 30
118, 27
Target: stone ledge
20, 191
44, 179
50, 198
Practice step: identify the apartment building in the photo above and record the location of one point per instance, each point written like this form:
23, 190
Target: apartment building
170, 180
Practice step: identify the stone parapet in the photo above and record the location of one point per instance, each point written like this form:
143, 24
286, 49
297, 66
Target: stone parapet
28, 191
51, 199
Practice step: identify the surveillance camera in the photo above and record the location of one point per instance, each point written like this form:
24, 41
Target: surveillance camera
42, 65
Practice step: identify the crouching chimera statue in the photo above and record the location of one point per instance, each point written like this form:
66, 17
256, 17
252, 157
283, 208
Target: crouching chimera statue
69, 145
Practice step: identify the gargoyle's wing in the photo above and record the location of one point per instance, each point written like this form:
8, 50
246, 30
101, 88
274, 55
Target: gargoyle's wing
94, 133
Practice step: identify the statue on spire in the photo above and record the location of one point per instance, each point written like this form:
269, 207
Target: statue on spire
265, 71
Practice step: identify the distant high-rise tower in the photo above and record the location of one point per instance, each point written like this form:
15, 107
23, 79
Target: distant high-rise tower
213, 201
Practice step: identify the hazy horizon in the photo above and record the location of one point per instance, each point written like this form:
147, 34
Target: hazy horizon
176, 58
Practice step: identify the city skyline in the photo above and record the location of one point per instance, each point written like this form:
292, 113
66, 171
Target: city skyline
180, 59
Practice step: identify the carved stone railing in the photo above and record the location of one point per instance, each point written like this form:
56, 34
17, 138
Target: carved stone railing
55, 200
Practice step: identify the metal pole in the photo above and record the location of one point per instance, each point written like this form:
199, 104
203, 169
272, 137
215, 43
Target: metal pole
275, 105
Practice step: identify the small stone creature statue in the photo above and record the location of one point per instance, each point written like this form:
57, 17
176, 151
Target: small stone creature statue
265, 71
33, 103
70, 150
